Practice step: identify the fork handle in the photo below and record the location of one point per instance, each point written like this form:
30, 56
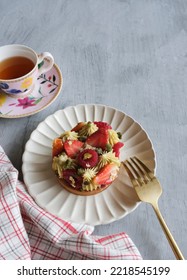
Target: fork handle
168, 234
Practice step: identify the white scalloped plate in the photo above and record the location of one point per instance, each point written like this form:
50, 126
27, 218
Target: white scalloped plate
110, 205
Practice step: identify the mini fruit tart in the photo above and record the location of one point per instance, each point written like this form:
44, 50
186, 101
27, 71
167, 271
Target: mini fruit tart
86, 158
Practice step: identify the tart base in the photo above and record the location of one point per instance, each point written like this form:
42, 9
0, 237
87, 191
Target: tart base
70, 189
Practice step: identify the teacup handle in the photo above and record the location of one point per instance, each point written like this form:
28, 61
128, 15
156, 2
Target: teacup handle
42, 68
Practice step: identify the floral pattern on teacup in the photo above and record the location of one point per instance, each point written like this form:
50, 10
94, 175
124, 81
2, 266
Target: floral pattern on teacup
47, 88
4, 86
27, 83
7, 89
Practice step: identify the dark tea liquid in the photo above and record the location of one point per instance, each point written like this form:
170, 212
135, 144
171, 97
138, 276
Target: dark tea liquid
15, 67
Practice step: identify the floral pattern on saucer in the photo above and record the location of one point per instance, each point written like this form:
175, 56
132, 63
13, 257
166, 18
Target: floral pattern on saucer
46, 90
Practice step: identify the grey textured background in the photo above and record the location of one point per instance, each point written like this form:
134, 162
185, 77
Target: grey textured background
131, 55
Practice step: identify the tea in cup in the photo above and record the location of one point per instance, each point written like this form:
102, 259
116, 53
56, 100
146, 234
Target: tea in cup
20, 66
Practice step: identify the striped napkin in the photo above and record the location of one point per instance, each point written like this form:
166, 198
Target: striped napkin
28, 232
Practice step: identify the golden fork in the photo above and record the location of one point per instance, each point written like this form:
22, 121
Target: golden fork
149, 190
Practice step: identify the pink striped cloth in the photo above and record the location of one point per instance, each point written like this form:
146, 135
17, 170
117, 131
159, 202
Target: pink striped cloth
28, 232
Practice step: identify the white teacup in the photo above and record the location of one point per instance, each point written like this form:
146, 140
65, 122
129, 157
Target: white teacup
20, 67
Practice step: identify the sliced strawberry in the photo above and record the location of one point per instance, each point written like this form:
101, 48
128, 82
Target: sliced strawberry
106, 175
98, 139
72, 147
103, 125
78, 126
57, 147
88, 158
116, 148
72, 178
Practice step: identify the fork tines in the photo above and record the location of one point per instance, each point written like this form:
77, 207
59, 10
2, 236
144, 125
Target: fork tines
138, 172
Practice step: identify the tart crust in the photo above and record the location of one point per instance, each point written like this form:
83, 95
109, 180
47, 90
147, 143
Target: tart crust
70, 189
